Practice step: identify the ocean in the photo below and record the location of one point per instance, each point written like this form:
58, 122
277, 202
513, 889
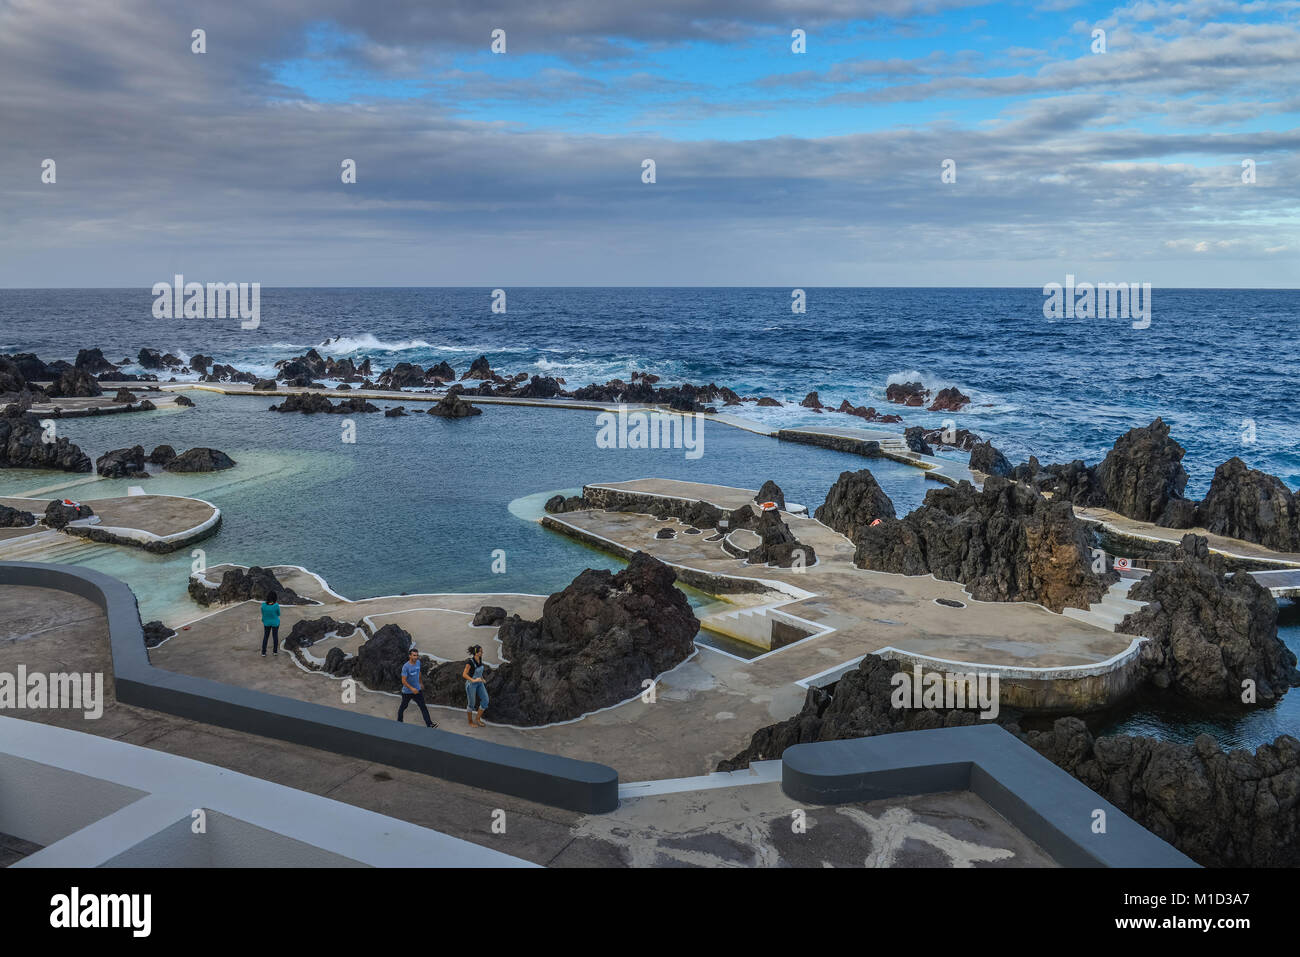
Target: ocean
418, 505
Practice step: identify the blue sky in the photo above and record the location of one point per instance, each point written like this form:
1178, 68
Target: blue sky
820, 168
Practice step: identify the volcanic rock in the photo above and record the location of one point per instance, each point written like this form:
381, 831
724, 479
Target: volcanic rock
124, 395
243, 584
596, 643
453, 406
767, 402
93, 362
1251, 505
155, 633
200, 460
74, 383
489, 615
265, 385
854, 501
442, 370
22, 444
161, 455
15, 518
771, 492
985, 458
1143, 473
950, 399
479, 369
907, 393
308, 631
184, 401
58, 515
1004, 543
558, 503
812, 401
404, 375
779, 546
915, 439
122, 463
1209, 632
395, 413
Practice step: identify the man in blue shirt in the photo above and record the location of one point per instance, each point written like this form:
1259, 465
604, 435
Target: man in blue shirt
411, 688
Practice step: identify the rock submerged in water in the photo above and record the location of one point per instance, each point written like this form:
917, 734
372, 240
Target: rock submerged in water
1209, 632
122, 463
310, 403
907, 393
243, 584
452, 406
184, 401
199, 460
1004, 543
950, 399
853, 503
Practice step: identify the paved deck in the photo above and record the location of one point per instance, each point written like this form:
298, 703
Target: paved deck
136, 519
674, 824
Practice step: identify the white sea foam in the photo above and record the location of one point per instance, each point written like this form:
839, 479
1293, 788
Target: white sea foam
342, 345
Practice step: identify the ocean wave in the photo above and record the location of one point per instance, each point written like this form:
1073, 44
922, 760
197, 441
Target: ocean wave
343, 345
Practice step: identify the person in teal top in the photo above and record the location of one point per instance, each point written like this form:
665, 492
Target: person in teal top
271, 622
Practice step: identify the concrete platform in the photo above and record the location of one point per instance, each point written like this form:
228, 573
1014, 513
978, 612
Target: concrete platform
158, 523
1243, 553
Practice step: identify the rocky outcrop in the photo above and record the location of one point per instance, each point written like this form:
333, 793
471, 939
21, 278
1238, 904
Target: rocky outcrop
1233, 809
308, 631
92, 361
771, 492
452, 406
557, 504
155, 633
1004, 543
767, 402
985, 458
865, 412
15, 518
779, 546
184, 401
265, 385
442, 370
962, 439
915, 439
539, 387
1251, 505
154, 360
378, 662
200, 460
479, 369
396, 412
161, 455
74, 383
950, 399
122, 463
595, 644
62, 511
489, 615
857, 706
1209, 632
1143, 473
907, 393
124, 395
854, 502
404, 375
23, 445
812, 401
243, 584
310, 403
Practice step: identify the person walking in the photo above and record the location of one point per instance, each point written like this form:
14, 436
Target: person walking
475, 686
411, 688
271, 622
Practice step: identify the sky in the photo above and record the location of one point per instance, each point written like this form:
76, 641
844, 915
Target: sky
1113, 156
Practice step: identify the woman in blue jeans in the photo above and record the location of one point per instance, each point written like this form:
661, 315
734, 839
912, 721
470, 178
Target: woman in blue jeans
270, 622
475, 686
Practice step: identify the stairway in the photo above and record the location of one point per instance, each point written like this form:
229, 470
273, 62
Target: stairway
1113, 608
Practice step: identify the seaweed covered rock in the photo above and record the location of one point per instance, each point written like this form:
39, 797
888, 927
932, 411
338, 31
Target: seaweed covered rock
854, 501
1221, 809
1209, 632
452, 406
1004, 543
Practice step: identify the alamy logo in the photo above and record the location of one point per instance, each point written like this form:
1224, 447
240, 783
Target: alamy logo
59, 690
651, 430
74, 909
935, 689
1105, 300
218, 300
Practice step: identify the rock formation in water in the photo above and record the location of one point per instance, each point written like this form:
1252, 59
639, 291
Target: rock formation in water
1209, 632
452, 406
985, 458
200, 460
907, 393
23, 444
58, 514
1005, 543
558, 504
854, 502
122, 463
914, 436
950, 399
74, 383
15, 518
1233, 809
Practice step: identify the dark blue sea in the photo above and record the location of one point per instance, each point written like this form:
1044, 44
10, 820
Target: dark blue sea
418, 505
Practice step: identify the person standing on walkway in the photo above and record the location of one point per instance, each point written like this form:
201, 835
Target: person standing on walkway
476, 686
411, 690
271, 622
